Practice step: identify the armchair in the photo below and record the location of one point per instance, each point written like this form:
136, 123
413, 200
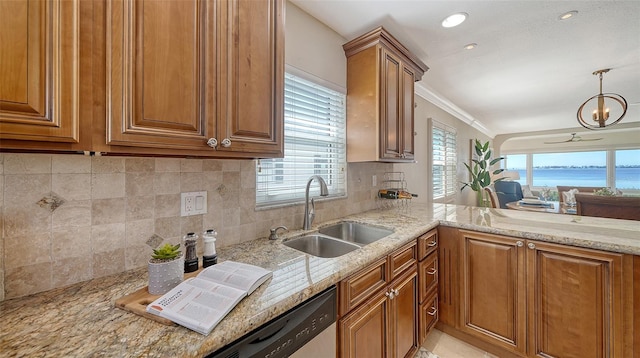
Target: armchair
507, 192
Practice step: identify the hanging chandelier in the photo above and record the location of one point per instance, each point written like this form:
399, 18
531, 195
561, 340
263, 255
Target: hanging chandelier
601, 111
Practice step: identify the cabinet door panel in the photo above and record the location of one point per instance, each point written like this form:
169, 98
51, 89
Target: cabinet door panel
404, 308
252, 76
160, 68
428, 316
494, 290
363, 333
39, 53
428, 275
390, 103
573, 303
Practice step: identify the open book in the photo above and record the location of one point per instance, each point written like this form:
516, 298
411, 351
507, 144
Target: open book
199, 303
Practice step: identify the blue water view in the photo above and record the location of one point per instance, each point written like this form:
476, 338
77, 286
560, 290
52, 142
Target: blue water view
626, 177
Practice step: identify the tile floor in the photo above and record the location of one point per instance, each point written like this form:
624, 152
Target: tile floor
442, 345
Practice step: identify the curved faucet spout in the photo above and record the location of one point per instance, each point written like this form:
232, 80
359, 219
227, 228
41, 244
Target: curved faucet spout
309, 215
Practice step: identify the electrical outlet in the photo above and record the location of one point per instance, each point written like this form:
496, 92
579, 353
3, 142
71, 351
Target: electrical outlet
193, 203
374, 180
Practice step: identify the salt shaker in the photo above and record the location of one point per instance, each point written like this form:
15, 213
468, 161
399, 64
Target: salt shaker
190, 258
209, 257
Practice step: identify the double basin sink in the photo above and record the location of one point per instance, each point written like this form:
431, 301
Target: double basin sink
337, 240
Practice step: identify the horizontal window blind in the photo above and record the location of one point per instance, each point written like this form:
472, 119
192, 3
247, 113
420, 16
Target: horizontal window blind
314, 144
444, 152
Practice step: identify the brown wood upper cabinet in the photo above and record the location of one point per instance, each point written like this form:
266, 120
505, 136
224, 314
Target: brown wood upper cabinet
380, 98
194, 77
539, 299
40, 73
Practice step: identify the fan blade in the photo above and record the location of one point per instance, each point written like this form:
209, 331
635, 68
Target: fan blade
562, 141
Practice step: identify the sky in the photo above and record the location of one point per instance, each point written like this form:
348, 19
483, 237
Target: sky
623, 157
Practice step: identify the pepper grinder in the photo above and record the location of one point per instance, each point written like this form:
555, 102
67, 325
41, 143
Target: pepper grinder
209, 257
191, 258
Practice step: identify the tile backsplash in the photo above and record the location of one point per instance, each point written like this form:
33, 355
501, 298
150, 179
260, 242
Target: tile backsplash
70, 218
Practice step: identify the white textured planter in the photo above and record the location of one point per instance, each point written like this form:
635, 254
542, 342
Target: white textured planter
165, 275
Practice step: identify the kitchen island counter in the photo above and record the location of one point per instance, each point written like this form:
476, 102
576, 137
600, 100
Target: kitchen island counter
81, 320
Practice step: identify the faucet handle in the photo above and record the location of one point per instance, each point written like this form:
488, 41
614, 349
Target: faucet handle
273, 235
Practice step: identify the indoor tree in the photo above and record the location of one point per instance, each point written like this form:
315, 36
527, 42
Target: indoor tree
480, 170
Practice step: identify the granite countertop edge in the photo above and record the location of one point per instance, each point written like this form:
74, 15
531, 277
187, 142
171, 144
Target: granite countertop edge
81, 320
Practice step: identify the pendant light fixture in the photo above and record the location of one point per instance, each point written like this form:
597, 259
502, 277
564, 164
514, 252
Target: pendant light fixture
598, 108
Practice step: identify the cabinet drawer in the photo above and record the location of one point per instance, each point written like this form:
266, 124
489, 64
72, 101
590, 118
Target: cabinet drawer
428, 316
358, 287
402, 259
428, 275
427, 243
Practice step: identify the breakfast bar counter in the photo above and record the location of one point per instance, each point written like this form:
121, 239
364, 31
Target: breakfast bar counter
81, 320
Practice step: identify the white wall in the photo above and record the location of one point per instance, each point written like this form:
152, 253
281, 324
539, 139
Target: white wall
313, 47
419, 174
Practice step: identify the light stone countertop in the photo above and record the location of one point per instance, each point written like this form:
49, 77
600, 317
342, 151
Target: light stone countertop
81, 320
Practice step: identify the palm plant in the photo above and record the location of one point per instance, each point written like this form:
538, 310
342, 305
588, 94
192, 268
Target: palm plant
480, 171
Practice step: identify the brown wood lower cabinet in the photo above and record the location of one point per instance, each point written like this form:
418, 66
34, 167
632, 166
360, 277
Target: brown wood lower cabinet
380, 320
539, 299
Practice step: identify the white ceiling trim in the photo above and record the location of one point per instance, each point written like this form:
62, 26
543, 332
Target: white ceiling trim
440, 101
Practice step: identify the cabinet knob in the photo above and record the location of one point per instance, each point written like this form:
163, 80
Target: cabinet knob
389, 294
226, 142
395, 292
212, 142
531, 245
519, 243
432, 271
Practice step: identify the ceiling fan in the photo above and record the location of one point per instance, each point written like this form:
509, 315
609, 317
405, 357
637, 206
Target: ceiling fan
574, 138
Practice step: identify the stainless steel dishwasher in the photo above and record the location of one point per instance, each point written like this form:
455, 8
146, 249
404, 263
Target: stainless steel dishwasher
287, 333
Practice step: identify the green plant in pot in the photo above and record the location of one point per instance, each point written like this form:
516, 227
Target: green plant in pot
166, 269
480, 171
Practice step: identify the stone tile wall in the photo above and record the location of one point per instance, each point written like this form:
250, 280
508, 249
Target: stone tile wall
71, 218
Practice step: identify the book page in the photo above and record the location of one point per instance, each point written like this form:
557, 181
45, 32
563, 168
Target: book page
197, 304
235, 274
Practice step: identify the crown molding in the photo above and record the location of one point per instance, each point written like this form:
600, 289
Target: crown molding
443, 103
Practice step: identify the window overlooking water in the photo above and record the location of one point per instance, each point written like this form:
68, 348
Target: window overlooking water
517, 163
571, 169
628, 169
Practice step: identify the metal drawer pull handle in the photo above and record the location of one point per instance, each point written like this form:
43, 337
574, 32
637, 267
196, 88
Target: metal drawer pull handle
519, 243
432, 271
531, 245
432, 243
433, 311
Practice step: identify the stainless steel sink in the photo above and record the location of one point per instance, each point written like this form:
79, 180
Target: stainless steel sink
321, 246
360, 234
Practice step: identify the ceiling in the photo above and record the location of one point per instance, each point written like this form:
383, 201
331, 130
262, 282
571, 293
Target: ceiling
530, 70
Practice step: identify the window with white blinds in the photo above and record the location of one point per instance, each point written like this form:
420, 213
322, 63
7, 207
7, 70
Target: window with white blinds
314, 144
444, 161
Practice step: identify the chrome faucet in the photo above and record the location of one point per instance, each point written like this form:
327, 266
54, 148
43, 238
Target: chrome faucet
310, 214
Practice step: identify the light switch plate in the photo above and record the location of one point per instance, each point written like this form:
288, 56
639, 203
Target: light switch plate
193, 203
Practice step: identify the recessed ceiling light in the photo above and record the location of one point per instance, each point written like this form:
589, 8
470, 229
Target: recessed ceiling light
568, 15
455, 19
470, 46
